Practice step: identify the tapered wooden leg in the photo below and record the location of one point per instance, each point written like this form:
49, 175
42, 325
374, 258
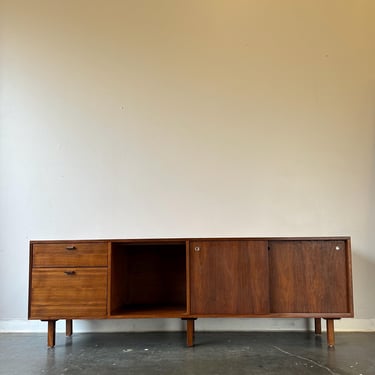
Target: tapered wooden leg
318, 326
69, 327
190, 331
330, 333
51, 333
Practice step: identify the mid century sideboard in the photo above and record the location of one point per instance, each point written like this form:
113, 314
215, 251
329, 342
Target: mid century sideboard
191, 278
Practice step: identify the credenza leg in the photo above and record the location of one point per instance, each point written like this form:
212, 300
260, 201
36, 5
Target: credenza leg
318, 326
190, 331
330, 333
69, 327
51, 333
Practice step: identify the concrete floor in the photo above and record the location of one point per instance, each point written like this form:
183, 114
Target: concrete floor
165, 353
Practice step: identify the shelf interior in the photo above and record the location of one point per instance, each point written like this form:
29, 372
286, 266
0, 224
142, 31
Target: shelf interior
148, 279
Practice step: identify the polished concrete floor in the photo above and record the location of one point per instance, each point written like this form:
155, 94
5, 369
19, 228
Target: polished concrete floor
165, 353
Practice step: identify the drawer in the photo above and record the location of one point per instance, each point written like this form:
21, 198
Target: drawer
70, 254
68, 293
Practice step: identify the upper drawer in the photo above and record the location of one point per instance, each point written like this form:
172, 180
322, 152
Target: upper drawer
70, 254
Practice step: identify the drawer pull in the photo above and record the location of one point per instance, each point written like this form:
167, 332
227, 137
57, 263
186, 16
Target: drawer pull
70, 248
70, 273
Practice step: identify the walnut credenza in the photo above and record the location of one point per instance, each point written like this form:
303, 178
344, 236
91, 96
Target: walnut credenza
191, 278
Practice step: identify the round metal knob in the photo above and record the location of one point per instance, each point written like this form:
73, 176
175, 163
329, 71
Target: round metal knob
337, 247
197, 248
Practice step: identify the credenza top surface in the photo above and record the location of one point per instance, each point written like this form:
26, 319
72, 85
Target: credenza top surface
183, 240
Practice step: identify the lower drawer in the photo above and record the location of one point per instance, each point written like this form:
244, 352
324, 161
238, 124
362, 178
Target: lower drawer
68, 293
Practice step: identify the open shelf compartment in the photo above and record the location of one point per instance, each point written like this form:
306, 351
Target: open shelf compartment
148, 279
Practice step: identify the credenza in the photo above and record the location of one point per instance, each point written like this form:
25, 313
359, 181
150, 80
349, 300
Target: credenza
191, 278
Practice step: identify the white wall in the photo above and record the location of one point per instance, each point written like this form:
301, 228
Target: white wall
169, 118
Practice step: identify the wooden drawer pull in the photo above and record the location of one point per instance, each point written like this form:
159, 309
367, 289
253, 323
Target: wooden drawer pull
70, 248
70, 273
